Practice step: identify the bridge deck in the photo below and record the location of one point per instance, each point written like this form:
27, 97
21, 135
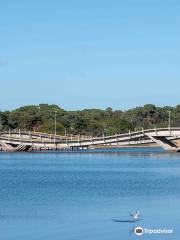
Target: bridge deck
162, 136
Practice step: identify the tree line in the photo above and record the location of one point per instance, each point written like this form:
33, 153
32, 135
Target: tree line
92, 122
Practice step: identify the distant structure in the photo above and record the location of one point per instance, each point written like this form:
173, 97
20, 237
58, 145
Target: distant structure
27, 141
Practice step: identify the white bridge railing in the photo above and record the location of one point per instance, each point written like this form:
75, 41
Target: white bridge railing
45, 140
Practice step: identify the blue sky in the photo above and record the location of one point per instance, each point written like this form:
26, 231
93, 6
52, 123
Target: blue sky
89, 54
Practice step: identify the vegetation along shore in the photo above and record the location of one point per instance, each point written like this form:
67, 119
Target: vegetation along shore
88, 121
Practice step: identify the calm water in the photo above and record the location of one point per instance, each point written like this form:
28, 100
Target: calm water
75, 196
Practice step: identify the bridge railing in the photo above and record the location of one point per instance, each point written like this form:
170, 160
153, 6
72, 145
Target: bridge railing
62, 139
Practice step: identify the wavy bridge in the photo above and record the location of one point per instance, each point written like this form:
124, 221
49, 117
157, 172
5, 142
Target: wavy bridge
167, 138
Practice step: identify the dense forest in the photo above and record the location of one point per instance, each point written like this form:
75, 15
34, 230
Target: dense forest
94, 122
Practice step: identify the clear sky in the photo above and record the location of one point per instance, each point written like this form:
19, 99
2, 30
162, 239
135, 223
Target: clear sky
89, 54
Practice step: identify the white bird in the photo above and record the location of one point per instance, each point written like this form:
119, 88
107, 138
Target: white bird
135, 215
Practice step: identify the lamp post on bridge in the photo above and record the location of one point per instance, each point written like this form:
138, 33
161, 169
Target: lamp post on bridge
148, 120
55, 123
169, 118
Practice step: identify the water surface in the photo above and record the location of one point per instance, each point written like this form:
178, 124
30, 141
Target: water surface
75, 195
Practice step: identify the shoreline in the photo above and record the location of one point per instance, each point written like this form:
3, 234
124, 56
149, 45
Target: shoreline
126, 146
67, 150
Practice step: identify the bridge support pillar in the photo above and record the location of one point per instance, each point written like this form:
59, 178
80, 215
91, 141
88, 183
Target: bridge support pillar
165, 143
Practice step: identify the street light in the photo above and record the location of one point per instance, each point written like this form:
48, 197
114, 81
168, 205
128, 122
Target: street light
148, 120
55, 122
169, 117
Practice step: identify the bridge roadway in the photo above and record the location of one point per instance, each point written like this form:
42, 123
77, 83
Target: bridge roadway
24, 141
